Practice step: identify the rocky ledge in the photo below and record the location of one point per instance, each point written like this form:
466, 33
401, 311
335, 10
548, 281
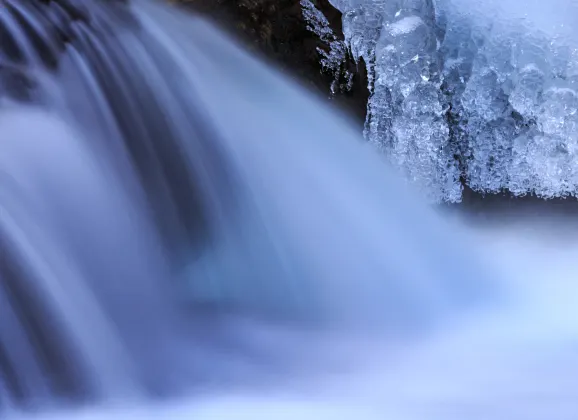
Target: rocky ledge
302, 37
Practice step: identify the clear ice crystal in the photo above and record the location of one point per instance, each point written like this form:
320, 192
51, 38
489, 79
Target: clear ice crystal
462, 91
406, 111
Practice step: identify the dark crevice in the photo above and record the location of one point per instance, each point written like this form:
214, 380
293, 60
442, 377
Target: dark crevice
277, 31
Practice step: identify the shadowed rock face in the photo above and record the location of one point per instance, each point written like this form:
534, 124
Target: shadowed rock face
278, 30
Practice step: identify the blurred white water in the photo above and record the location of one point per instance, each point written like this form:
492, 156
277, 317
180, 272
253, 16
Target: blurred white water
521, 362
389, 309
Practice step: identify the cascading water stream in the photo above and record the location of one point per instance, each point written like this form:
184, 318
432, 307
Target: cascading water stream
160, 190
130, 172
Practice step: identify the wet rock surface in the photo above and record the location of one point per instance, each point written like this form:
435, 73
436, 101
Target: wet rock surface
278, 30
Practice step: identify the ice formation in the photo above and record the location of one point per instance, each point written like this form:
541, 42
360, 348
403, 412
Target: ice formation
332, 60
477, 93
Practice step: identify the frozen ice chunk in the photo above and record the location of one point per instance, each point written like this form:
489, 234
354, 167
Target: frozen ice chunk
484, 92
528, 85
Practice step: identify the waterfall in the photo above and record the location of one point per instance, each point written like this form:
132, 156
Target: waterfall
162, 193
133, 187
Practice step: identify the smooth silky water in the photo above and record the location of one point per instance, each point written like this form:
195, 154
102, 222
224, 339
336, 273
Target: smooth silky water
186, 233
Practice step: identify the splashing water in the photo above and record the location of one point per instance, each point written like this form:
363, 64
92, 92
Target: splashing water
184, 230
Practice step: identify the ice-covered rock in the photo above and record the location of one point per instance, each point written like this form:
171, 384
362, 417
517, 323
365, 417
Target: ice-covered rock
332, 60
484, 93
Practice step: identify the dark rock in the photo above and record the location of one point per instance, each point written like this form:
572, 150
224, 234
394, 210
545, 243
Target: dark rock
277, 30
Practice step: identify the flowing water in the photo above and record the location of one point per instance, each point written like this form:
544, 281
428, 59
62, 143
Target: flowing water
185, 233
